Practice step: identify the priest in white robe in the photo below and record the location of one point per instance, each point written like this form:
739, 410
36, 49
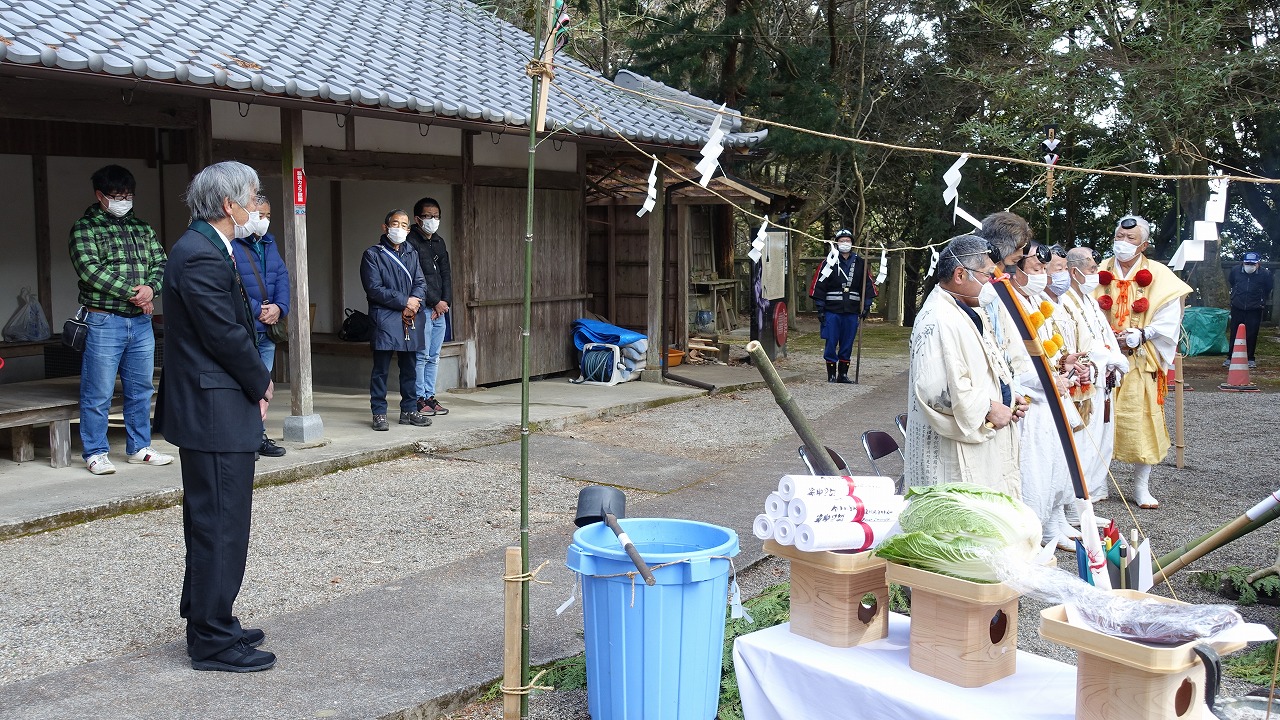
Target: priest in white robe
960, 405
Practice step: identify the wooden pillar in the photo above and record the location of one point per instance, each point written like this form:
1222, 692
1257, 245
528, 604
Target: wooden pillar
200, 139
302, 425
792, 286
684, 241
895, 292
466, 271
611, 270
44, 252
657, 268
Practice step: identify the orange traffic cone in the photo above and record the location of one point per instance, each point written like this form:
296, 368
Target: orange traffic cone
1238, 374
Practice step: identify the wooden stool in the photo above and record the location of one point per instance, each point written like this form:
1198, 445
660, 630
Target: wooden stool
827, 591
963, 632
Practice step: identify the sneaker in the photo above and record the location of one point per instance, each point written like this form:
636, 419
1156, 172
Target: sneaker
424, 408
414, 418
436, 407
380, 422
100, 464
1253, 364
1226, 363
148, 456
269, 448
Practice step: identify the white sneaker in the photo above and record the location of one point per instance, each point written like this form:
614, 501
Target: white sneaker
100, 464
148, 456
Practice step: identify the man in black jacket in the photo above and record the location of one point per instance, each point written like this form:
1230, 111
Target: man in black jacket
434, 258
842, 297
214, 391
1251, 286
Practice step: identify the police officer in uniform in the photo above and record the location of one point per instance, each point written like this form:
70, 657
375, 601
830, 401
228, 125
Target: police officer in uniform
843, 296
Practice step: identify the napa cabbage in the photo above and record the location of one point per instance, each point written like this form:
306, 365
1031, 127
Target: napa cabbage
957, 528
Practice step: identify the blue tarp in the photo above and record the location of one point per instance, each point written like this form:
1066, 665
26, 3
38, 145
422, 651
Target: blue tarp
586, 331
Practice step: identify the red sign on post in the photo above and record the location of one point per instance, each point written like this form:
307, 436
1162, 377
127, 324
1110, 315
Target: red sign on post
299, 186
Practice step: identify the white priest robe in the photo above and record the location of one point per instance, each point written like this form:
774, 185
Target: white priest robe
955, 375
1094, 337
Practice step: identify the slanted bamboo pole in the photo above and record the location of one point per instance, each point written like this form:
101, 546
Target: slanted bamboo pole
1256, 517
816, 450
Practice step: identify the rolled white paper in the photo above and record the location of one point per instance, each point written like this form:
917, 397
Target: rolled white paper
763, 527
840, 536
871, 509
833, 486
784, 531
775, 506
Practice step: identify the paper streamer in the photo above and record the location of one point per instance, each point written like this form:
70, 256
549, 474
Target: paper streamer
952, 178
975, 222
820, 510
829, 264
762, 527
652, 199
784, 531
711, 151
775, 506
758, 244
1215, 210
884, 265
841, 536
933, 262
833, 486
1179, 259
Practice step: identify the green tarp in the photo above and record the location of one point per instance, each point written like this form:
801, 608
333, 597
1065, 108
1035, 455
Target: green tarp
1205, 331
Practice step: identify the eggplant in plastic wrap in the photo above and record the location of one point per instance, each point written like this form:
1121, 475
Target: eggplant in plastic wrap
1150, 620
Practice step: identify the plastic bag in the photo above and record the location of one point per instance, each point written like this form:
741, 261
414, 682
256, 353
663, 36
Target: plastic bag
1146, 620
28, 323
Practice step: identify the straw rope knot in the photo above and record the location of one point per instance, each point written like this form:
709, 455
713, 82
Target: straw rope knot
526, 689
526, 577
631, 574
538, 68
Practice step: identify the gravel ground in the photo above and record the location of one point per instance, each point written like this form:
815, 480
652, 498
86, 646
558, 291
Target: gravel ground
111, 586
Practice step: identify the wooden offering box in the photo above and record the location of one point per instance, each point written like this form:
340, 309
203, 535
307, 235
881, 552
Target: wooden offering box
1119, 678
827, 589
963, 632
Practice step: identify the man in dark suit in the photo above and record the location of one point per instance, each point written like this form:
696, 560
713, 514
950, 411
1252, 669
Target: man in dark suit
213, 395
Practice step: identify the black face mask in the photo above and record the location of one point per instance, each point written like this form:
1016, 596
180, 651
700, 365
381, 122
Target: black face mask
1011, 268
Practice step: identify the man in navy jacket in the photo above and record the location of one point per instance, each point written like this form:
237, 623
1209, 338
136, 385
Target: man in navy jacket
213, 396
1251, 286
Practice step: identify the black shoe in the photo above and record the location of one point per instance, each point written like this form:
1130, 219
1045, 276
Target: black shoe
831, 372
269, 448
380, 422
843, 375
253, 636
414, 418
237, 658
435, 407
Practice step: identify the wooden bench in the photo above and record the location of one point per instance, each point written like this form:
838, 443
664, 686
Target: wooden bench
24, 405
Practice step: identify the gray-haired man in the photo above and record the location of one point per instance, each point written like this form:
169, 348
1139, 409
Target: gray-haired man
214, 391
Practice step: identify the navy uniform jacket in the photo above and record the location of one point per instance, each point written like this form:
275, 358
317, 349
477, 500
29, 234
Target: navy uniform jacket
840, 291
212, 377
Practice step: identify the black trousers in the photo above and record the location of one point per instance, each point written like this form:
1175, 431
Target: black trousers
217, 500
408, 380
1252, 320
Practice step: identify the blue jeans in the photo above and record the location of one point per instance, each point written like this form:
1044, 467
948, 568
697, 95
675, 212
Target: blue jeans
429, 358
126, 346
378, 381
839, 329
266, 351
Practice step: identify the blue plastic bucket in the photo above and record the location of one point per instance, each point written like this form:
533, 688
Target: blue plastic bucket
659, 657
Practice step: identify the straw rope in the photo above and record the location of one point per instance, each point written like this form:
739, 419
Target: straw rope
526, 689
532, 575
631, 574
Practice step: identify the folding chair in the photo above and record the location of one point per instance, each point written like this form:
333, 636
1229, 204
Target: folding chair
902, 425
838, 461
879, 444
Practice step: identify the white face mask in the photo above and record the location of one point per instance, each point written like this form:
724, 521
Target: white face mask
987, 295
844, 247
397, 235
245, 230
119, 207
1124, 249
1036, 284
260, 226
1251, 269
1060, 283
431, 225
1089, 284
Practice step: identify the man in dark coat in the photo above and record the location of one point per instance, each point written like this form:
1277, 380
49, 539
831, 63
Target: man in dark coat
1251, 286
213, 396
842, 297
394, 286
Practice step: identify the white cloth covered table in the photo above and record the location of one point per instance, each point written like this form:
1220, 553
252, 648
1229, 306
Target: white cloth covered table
782, 676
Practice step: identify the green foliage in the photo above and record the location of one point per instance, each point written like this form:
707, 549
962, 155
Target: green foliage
1257, 665
1234, 581
566, 674
769, 608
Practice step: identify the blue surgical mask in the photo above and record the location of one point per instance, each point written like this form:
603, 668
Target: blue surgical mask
1060, 283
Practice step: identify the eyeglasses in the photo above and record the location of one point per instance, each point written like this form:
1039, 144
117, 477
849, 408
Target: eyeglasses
118, 196
1129, 223
429, 217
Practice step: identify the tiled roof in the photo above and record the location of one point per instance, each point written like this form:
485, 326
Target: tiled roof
447, 58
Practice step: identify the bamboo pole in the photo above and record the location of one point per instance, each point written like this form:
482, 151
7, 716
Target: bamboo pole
1263, 519
534, 109
1179, 436
1220, 537
816, 450
511, 645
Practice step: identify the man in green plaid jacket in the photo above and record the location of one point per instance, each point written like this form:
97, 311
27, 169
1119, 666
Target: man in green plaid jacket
120, 265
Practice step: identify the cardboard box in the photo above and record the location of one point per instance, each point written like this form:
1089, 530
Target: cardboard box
827, 591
